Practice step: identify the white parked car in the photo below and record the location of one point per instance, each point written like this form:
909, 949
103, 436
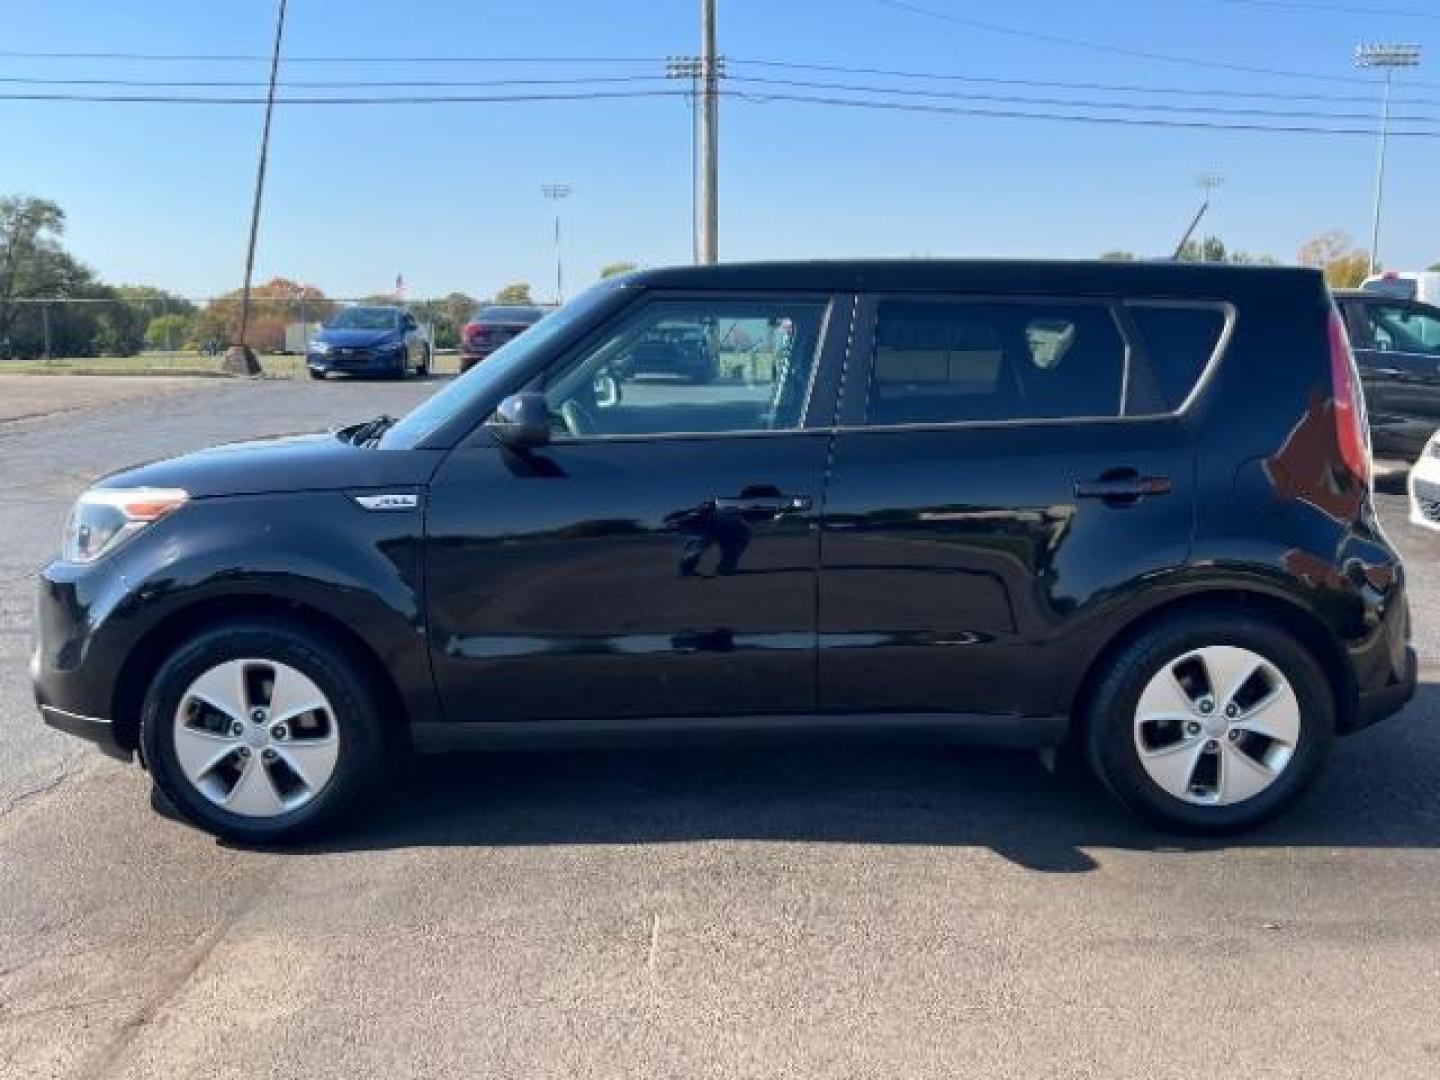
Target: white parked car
1425, 486
1422, 285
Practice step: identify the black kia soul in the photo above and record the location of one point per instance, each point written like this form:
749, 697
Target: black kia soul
1119, 510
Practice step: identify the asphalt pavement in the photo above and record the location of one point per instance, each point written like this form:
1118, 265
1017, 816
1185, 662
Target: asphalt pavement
761, 911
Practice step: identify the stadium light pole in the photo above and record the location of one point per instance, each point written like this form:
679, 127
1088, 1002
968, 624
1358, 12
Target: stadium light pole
556, 192
1387, 58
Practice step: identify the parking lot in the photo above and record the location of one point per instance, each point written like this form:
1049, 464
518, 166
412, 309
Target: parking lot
747, 911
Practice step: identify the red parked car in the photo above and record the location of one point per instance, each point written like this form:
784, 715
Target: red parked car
491, 327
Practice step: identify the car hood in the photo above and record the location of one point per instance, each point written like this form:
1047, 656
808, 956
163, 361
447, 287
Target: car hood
356, 339
284, 464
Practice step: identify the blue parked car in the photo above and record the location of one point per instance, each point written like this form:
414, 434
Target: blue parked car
371, 340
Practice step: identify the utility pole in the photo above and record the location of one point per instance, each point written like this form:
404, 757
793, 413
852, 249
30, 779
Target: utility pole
709, 119
1387, 58
556, 192
704, 72
241, 356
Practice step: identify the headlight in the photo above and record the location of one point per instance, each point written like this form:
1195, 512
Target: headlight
105, 518
321, 347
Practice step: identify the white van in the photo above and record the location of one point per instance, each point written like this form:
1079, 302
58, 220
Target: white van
1422, 285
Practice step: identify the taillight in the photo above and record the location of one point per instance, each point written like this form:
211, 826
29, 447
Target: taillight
470, 331
1351, 431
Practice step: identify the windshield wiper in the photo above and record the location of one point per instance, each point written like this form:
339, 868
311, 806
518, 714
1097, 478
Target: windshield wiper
368, 433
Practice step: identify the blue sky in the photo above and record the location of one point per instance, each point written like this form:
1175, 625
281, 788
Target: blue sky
449, 194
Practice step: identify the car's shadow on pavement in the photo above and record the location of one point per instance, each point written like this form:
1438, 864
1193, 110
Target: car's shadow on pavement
1382, 789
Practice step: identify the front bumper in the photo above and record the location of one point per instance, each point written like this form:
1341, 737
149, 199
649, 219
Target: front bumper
360, 360
1375, 705
91, 728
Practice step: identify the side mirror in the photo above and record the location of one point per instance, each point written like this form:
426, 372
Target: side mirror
521, 421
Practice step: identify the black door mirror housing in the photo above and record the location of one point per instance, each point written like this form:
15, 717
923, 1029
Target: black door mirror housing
522, 421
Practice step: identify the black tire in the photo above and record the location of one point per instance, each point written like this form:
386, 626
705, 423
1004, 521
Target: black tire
363, 735
424, 368
316, 374
1108, 724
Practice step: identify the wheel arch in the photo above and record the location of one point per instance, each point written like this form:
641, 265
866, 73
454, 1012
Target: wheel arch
159, 641
1301, 624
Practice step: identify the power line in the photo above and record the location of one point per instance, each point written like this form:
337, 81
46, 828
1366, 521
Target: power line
1145, 106
1128, 88
589, 80
1119, 121
23, 54
416, 99
1343, 9
773, 96
1105, 47
326, 84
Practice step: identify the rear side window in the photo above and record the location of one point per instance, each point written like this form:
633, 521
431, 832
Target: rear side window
1179, 342
938, 362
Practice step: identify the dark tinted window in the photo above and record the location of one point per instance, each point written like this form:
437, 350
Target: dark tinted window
497, 313
1179, 342
1404, 288
947, 362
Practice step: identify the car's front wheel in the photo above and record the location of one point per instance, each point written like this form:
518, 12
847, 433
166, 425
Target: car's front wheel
424, 368
1210, 722
261, 732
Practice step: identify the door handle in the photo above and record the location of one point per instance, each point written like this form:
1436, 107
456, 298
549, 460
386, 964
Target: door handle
1122, 487
764, 504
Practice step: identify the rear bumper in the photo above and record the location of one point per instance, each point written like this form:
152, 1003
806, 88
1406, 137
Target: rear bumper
1375, 705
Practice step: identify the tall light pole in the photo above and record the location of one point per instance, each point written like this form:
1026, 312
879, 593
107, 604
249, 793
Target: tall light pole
556, 192
1387, 58
1209, 183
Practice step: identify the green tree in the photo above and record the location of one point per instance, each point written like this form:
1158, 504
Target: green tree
516, 293
615, 269
1119, 256
30, 252
170, 331
1433, 268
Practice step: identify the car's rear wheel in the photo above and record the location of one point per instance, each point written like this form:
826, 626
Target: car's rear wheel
261, 732
1210, 722
316, 374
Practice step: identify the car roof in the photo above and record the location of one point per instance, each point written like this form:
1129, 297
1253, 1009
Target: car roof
978, 275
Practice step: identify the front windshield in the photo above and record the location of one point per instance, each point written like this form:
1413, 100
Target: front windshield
362, 318
497, 370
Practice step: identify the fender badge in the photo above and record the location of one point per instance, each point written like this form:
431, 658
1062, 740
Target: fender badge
390, 500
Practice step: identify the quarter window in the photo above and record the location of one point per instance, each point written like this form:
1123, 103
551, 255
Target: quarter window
1179, 342
682, 367
948, 362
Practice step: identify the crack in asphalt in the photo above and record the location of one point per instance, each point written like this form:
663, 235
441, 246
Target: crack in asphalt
111, 1059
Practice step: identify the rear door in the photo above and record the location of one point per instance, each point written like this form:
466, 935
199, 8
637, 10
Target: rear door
1002, 465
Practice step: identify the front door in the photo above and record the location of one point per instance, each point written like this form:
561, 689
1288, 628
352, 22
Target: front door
986, 491
657, 558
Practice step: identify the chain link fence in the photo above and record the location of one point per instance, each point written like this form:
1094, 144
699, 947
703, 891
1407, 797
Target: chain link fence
174, 334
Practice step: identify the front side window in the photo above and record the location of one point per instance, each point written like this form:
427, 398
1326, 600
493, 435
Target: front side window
1401, 328
957, 362
692, 367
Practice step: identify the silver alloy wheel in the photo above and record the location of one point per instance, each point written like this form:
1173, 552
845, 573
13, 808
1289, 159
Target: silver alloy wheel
1217, 726
256, 737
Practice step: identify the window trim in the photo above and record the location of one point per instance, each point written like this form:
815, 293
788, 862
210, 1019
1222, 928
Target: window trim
825, 345
860, 358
